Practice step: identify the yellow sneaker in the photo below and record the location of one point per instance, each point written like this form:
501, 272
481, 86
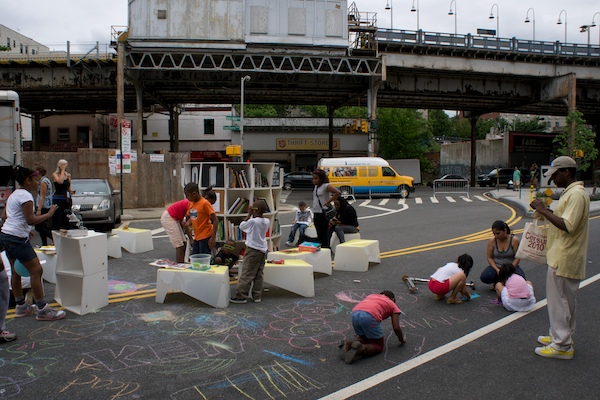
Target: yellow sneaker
551, 352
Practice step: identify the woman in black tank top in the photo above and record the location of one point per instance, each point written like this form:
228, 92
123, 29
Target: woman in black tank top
62, 195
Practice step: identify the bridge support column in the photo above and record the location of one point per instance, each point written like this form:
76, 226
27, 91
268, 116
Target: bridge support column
174, 128
473, 120
139, 93
374, 84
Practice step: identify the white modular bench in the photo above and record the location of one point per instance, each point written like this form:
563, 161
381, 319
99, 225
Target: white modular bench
355, 255
210, 287
135, 240
320, 260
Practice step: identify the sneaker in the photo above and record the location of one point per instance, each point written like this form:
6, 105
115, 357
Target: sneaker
25, 309
49, 314
352, 353
7, 336
551, 352
547, 340
257, 300
238, 300
290, 244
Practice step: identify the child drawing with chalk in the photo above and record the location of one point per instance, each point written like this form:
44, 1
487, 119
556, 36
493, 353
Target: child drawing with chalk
514, 292
452, 278
366, 320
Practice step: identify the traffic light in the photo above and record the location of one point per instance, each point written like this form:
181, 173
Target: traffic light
344, 129
364, 125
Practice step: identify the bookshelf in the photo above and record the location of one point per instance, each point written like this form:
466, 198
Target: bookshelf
238, 185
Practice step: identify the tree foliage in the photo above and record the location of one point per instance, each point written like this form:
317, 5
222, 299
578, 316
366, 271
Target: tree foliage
439, 124
264, 110
584, 140
4, 48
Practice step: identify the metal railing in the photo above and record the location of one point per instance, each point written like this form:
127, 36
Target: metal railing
347, 189
451, 186
469, 41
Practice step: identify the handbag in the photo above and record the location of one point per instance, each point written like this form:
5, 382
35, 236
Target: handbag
329, 212
533, 242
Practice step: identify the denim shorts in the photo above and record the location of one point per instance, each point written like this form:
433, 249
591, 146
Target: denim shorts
366, 325
201, 246
17, 248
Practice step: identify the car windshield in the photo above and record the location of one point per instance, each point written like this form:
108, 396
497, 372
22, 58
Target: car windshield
89, 187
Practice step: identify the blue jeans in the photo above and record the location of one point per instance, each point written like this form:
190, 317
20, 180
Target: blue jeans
366, 325
201, 246
490, 276
295, 227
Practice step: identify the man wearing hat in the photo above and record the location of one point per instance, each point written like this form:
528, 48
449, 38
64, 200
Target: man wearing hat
566, 257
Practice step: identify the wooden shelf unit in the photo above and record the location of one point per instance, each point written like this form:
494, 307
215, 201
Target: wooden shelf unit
237, 185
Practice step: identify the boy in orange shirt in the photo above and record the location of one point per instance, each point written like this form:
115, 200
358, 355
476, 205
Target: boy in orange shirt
201, 216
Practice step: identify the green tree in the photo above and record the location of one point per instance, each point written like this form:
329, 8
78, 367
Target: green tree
403, 133
529, 125
439, 123
264, 110
4, 48
461, 126
582, 139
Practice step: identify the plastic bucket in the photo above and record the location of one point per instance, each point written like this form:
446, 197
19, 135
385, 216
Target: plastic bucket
200, 261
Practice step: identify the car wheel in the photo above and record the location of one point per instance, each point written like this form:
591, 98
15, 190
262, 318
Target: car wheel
287, 186
403, 191
492, 184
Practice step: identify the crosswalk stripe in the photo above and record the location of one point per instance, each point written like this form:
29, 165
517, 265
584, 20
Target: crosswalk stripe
418, 200
434, 200
364, 203
481, 198
401, 201
383, 202
468, 200
450, 199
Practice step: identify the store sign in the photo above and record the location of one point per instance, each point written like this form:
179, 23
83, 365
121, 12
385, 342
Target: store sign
305, 144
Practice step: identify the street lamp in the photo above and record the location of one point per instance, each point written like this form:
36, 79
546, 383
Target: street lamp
413, 9
388, 6
244, 79
497, 18
455, 13
559, 22
532, 20
586, 28
594, 24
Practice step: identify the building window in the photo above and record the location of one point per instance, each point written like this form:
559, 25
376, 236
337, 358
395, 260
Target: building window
63, 134
26, 49
145, 127
83, 134
209, 126
8, 42
44, 135
557, 124
21, 48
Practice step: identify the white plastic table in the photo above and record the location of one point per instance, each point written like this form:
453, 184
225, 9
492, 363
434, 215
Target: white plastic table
320, 260
210, 287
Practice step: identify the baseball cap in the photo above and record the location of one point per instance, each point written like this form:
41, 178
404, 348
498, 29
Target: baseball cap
560, 162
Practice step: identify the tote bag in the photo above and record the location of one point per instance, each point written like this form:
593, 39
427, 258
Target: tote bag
533, 242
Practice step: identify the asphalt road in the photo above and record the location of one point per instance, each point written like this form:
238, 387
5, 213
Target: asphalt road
285, 347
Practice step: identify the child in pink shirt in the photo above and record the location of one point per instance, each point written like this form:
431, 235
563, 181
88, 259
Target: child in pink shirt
514, 292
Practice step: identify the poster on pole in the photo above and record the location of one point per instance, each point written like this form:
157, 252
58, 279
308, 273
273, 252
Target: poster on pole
126, 136
126, 163
113, 127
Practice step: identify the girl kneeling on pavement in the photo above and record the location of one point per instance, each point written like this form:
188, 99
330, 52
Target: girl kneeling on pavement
452, 277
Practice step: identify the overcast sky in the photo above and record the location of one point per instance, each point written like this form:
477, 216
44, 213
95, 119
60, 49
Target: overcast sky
83, 22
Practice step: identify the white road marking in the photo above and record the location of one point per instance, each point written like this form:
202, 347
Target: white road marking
418, 200
157, 231
468, 200
450, 199
434, 200
481, 198
383, 202
401, 201
413, 363
364, 203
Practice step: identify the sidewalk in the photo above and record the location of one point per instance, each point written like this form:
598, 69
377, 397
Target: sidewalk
521, 199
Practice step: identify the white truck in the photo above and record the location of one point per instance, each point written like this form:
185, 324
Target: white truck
10, 141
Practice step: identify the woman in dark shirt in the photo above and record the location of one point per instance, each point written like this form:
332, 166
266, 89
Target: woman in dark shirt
346, 220
62, 195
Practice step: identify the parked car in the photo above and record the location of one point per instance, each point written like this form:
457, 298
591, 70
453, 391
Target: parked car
505, 175
298, 180
98, 204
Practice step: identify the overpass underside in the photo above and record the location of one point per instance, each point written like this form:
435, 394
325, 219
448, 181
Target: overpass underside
283, 76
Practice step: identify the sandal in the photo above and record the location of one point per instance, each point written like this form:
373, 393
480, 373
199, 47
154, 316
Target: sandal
454, 301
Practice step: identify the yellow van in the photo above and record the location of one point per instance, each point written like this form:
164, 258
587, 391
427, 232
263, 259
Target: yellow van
366, 175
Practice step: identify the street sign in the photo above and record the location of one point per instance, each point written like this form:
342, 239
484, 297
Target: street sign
232, 118
231, 128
